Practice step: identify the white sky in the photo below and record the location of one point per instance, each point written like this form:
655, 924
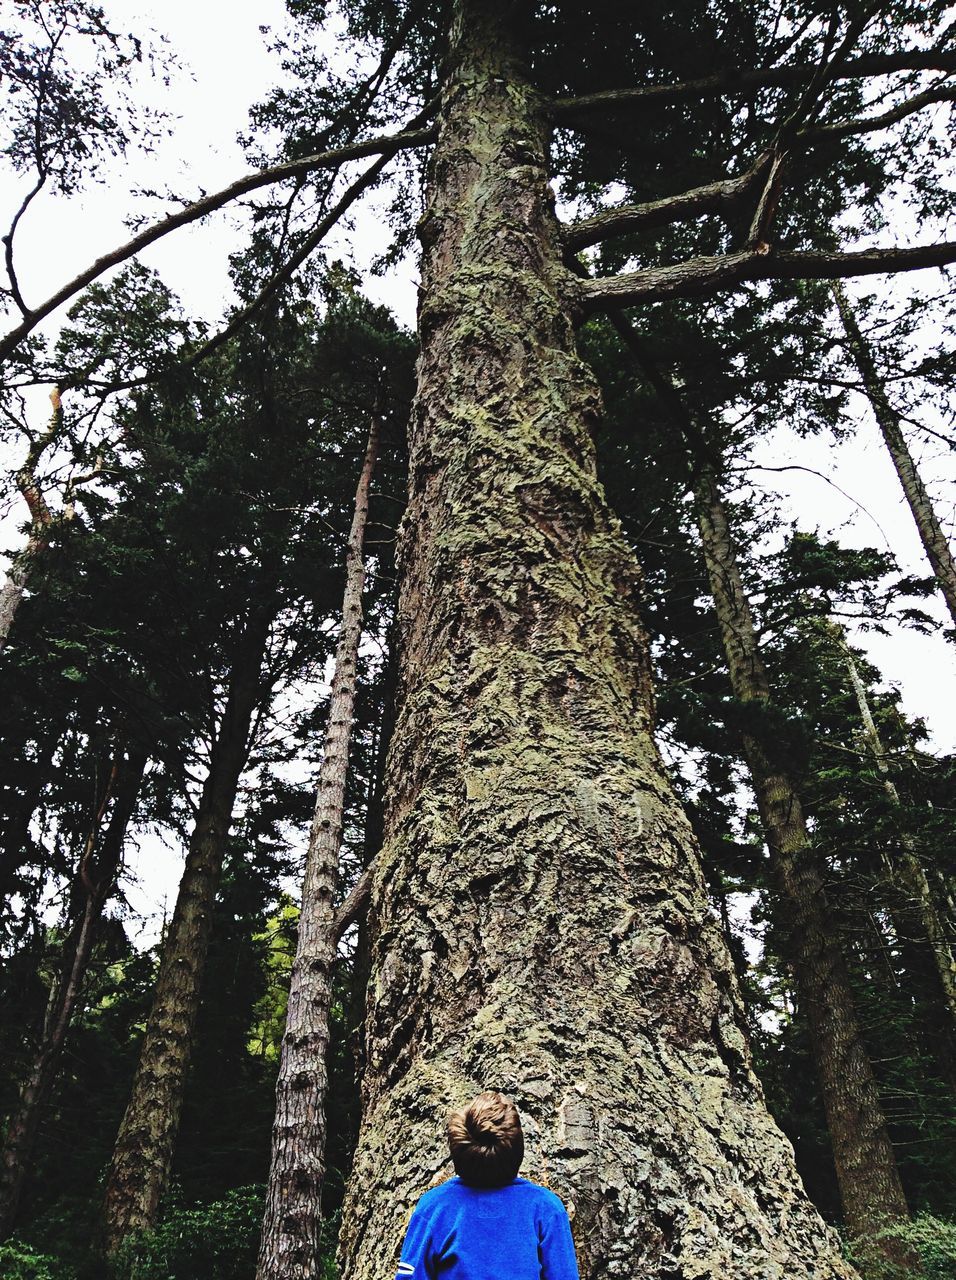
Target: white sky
222, 46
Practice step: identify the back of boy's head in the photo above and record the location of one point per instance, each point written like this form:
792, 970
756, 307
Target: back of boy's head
487, 1145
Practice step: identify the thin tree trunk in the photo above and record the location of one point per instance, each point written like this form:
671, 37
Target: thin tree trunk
289, 1248
372, 844
934, 540
908, 871
41, 519
96, 875
147, 1136
18, 575
540, 921
866, 1166
19, 807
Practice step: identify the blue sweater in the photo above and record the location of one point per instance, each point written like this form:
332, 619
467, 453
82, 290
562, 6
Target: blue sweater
516, 1232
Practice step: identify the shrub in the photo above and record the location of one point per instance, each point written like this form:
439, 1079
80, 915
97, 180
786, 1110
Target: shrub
931, 1243
21, 1262
217, 1241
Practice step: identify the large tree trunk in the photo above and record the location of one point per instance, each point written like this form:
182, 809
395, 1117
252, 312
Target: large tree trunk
289, 1248
146, 1141
935, 544
540, 921
96, 875
870, 1186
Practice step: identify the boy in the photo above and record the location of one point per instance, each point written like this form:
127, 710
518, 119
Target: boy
487, 1223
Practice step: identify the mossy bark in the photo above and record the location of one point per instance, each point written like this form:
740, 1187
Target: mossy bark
869, 1181
540, 922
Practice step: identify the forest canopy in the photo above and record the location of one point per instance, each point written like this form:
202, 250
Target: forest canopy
493, 721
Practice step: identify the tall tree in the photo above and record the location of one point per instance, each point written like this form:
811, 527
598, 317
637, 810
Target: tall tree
96, 870
291, 1229
530, 827
906, 867
870, 1186
146, 1141
935, 544
522, 766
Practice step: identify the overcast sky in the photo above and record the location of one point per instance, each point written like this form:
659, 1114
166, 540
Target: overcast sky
221, 46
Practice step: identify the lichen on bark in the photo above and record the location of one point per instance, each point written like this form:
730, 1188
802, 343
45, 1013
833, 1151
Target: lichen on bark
540, 921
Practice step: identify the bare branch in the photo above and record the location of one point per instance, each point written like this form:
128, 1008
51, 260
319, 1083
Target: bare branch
387, 146
567, 110
28, 199
766, 209
716, 197
847, 128
725, 196
269, 289
355, 904
701, 276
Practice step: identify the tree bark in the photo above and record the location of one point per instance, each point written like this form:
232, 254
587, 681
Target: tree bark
289, 1248
96, 875
146, 1141
540, 920
934, 540
870, 1186
908, 871
372, 844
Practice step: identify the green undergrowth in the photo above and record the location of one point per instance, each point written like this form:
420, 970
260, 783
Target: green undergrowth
20, 1261
930, 1242
216, 1241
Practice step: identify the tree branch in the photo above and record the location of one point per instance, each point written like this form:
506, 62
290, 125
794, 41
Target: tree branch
387, 146
716, 197
725, 196
354, 905
28, 199
566, 110
268, 290
701, 276
848, 128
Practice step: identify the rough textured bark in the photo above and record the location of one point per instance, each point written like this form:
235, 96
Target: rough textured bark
907, 869
540, 921
96, 874
870, 1187
934, 540
289, 1248
147, 1137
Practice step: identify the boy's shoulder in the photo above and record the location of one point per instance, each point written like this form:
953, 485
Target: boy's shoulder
454, 1192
